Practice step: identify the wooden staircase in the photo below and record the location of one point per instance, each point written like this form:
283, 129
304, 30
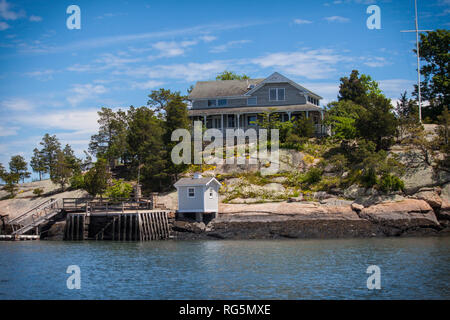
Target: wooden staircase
36, 216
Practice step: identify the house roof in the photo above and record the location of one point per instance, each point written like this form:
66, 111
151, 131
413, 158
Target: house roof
191, 182
277, 78
222, 88
236, 88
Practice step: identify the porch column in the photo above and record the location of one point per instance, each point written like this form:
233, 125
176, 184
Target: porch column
204, 120
289, 115
221, 122
321, 115
237, 118
307, 114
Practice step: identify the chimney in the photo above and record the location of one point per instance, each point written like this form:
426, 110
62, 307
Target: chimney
197, 175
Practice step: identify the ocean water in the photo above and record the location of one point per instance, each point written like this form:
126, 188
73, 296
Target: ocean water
410, 268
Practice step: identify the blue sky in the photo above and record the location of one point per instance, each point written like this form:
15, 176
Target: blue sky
53, 80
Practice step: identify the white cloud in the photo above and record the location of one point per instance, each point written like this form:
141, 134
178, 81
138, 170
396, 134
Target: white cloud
337, 19
6, 131
229, 45
208, 38
392, 88
190, 71
199, 30
7, 13
35, 18
376, 62
328, 90
311, 64
41, 74
82, 92
4, 26
302, 21
169, 49
80, 122
110, 60
147, 84
17, 104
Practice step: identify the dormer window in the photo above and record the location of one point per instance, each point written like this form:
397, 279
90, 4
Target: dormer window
276, 94
212, 103
222, 102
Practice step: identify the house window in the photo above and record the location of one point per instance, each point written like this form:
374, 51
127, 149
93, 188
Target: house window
230, 121
217, 123
280, 94
251, 120
191, 192
212, 103
273, 94
252, 101
276, 94
222, 102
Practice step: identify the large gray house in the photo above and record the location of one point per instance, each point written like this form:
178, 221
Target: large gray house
236, 103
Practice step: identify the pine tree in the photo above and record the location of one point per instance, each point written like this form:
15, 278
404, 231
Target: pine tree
50, 148
18, 166
110, 141
146, 145
37, 163
177, 117
61, 171
97, 178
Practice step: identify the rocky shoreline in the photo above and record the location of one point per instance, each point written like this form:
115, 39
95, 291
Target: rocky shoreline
409, 217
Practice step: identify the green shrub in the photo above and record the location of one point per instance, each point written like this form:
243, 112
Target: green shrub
390, 182
119, 190
77, 182
38, 192
369, 178
313, 176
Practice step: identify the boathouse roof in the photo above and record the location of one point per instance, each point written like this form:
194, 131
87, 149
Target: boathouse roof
191, 182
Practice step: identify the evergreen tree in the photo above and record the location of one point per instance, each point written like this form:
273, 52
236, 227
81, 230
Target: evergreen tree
109, 143
61, 171
177, 117
37, 163
97, 178
50, 148
377, 123
146, 145
11, 179
159, 99
352, 88
18, 166
407, 115
71, 160
435, 87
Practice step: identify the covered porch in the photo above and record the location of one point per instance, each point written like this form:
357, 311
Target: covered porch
246, 117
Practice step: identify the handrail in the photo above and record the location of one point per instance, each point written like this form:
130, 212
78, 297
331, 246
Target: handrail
37, 218
44, 204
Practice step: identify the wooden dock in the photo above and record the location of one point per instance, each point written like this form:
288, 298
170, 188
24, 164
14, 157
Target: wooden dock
94, 219
118, 226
